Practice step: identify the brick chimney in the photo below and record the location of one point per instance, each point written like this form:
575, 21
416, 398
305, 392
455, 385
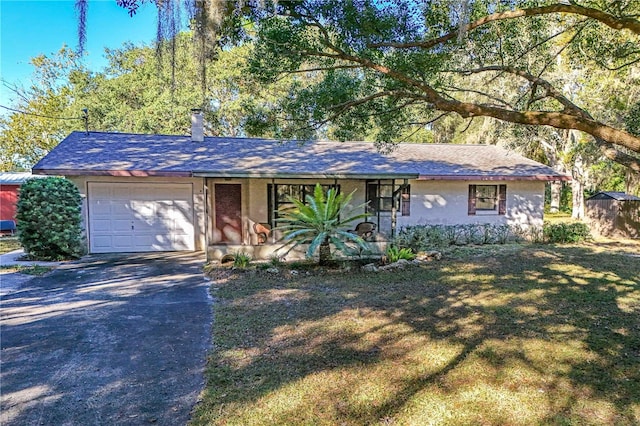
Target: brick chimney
197, 125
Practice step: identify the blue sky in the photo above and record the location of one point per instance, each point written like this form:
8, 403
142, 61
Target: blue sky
32, 27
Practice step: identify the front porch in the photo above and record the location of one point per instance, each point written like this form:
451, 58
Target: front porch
243, 212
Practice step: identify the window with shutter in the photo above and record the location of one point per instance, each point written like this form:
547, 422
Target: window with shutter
472, 200
487, 198
380, 195
405, 201
502, 200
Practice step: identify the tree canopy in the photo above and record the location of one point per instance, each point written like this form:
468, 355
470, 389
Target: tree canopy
513, 61
560, 81
137, 92
401, 64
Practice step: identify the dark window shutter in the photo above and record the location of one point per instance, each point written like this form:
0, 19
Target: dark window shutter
372, 197
472, 200
406, 201
270, 205
502, 200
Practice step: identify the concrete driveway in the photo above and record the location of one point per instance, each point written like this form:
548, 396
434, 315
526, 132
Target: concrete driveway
104, 341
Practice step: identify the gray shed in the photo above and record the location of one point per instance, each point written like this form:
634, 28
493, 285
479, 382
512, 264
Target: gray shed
614, 214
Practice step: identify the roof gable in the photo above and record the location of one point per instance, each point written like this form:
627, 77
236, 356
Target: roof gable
147, 155
614, 195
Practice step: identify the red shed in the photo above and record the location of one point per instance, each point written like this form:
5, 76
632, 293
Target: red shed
9, 187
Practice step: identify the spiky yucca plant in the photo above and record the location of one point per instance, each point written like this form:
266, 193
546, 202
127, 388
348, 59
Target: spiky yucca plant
320, 222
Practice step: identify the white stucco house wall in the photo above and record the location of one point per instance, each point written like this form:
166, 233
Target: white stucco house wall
169, 193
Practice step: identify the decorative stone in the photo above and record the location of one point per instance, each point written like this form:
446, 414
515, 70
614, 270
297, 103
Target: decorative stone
370, 267
227, 258
429, 255
434, 255
274, 271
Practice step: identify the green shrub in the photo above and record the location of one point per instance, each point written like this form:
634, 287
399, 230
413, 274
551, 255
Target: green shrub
471, 234
535, 234
428, 237
49, 219
394, 254
421, 237
275, 261
452, 234
563, 232
241, 260
320, 223
502, 233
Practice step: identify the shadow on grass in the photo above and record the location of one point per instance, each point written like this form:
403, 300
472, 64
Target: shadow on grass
554, 330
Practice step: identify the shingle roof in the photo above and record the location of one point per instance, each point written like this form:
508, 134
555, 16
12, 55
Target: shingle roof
618, 196
144, 155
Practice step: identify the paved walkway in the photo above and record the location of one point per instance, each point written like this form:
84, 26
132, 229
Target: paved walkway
104, 341
13, 258
11, 281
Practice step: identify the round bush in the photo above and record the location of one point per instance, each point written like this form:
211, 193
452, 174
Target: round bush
575, 232
49, 219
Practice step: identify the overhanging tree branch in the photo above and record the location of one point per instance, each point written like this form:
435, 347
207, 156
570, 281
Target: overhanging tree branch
612, 21
568, 119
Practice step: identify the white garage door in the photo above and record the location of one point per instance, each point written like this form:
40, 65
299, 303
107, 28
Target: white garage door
127, 217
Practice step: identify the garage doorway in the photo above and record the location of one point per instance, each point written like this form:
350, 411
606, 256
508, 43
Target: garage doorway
134, 217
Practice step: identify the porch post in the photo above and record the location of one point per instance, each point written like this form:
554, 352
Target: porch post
394, 210
378, 206
207, 218
396, 200
273, 210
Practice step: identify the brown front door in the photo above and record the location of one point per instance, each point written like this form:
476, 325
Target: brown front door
228, 214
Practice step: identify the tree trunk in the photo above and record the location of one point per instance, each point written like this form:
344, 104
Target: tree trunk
325, 253
556, 192
577, 188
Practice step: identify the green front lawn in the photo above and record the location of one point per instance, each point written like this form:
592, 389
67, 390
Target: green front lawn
27, 270
8, 244
521, 335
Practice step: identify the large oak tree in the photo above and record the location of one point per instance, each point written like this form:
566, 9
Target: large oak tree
400, 64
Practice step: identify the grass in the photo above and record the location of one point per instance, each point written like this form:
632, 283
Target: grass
8, 244
558, 217
28, 270
522, 335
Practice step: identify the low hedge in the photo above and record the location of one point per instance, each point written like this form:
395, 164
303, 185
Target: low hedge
565, 232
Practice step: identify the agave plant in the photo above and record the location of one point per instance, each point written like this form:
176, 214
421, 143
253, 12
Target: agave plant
321, 222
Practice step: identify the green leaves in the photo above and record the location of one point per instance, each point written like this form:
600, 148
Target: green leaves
632, 120
49, 219
137, 92
319, 222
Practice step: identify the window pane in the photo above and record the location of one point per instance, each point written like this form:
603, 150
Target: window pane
386, 204
308, 190
386, 190
372, 197
486, 197
284, 191
486, 191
